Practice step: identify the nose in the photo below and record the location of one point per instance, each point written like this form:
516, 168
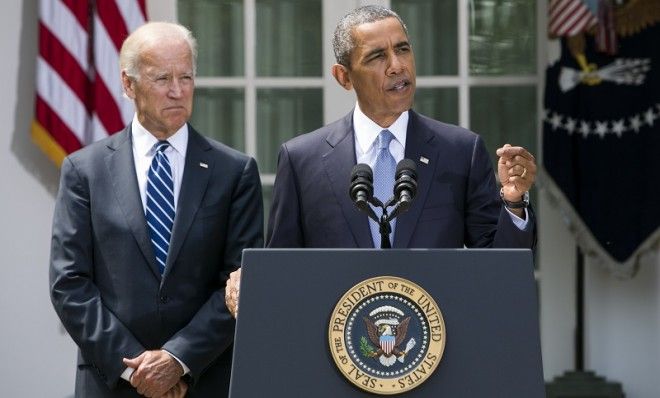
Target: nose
395, 66
175, 89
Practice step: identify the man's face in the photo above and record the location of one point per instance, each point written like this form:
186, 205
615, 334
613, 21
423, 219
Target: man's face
163, 94
382, 70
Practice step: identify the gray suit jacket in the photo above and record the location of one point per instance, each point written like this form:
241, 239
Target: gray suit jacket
104, 281
457, 202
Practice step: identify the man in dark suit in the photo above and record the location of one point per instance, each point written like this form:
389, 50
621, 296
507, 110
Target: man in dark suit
148, 224
457, 203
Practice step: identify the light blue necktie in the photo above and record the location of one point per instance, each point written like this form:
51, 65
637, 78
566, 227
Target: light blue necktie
383, 182
160, 203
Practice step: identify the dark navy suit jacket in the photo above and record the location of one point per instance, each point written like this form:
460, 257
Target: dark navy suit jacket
457, 202
105, 284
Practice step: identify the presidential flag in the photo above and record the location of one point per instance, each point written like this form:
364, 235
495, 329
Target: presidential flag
601, 130
79, 97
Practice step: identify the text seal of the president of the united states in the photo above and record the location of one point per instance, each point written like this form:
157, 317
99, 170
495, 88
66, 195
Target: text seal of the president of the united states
387, 335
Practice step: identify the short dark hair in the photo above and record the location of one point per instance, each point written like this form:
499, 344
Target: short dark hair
343, 42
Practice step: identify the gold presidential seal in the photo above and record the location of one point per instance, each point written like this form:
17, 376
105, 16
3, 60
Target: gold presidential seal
387, 335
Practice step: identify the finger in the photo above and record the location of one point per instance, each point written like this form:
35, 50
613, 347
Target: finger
513, 151
153, 390
235, 280
140, 389
519, 161
235, 277
526, 172
180, 389
520, 185
232, 310
137, 379
134, 362
233, 285
230, 300
517, 170
525, 159
142, 372
233, 307
183, 388
501, 150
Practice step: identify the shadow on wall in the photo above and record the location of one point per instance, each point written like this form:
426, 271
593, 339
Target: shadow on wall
26, 152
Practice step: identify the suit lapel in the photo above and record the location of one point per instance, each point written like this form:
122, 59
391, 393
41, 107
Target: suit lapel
193, 185
418, 145
338, 162
120, 166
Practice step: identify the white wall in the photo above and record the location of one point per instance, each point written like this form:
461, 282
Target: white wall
623, 328
38, 360
556, 257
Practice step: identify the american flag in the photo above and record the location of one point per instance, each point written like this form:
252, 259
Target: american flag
606, 40
79, 96
570, 17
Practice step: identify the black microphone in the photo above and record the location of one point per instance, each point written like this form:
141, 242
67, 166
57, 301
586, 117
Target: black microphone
405, 186
361, 189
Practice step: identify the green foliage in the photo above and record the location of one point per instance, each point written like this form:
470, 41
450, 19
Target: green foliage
366, 348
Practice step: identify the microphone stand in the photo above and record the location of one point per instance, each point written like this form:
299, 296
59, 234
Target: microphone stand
384, 226
385, 230
361, 192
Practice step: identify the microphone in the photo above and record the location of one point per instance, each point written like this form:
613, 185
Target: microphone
405, 186
361, 189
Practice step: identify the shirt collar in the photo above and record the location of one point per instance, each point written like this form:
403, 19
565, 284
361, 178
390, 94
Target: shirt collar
144, 141
366, 130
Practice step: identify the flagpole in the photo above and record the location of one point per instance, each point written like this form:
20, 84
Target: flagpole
579, 309
581, 383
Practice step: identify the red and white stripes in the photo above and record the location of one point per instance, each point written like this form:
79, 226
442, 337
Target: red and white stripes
606, 40
569, 17
79, 96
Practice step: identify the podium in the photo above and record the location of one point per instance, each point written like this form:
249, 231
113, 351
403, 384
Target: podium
487, 297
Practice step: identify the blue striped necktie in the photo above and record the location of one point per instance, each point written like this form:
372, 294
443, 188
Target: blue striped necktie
160, 203
384, 168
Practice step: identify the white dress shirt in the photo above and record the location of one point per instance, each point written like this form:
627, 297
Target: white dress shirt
366, 146
143, 154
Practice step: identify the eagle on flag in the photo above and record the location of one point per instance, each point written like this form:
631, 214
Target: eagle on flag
601, 127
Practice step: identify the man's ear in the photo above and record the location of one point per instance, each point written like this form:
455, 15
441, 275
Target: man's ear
341, 74
127, 84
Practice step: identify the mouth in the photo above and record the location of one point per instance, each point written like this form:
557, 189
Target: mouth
173, 108
399, 85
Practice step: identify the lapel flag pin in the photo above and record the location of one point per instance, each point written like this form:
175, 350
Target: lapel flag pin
204, 165
424, 160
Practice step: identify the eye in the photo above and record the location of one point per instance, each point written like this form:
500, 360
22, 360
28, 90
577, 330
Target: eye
376, 56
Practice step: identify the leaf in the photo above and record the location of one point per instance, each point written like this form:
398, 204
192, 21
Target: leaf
366, 348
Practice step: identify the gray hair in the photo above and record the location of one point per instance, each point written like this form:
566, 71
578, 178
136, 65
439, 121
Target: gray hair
343, 42
148, 35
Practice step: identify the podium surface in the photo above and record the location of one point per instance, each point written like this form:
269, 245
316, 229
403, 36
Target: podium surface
487, 297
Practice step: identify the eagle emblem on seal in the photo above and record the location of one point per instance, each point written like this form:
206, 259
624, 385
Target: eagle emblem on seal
387, 329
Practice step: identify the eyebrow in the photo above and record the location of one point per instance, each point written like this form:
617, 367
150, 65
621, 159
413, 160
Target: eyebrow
402, 44
381, 49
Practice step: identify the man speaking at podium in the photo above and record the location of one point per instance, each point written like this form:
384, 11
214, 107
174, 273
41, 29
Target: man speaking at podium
457, 202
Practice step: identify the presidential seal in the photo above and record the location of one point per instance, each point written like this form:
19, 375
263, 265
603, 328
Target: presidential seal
387, 335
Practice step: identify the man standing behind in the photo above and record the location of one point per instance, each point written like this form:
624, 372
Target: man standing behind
148, 224
457, 202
